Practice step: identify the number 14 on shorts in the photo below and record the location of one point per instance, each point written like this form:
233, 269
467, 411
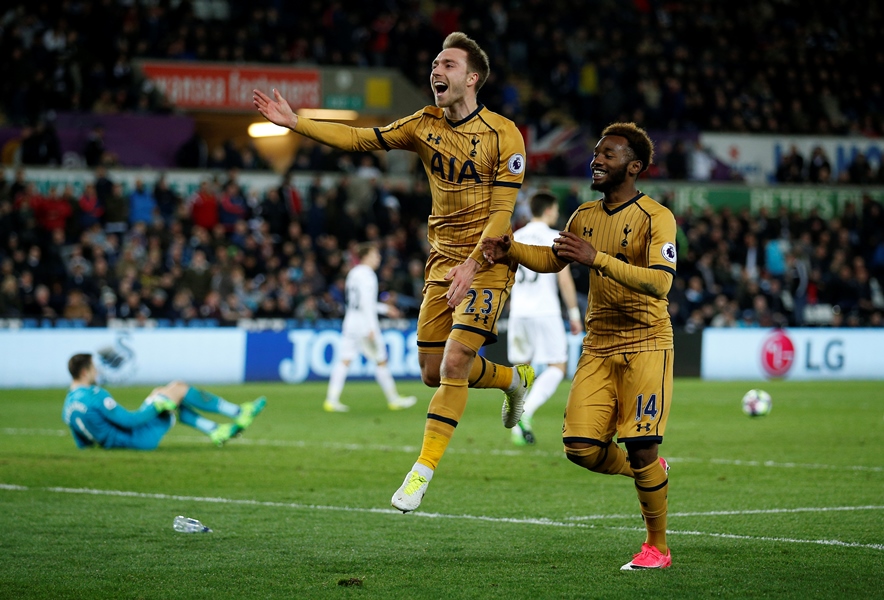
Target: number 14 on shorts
648, 408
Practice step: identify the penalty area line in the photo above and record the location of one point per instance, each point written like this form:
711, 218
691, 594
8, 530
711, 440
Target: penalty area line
389, 511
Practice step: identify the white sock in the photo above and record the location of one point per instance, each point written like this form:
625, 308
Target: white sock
544, 387
385, 379
336, 383
423, 470
516, 381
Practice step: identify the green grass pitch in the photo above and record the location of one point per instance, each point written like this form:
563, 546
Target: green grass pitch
790, 505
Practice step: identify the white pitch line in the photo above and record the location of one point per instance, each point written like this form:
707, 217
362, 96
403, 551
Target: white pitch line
355, 447
732, 513
509, 520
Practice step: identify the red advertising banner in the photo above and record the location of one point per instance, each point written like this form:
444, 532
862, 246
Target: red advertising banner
207, 86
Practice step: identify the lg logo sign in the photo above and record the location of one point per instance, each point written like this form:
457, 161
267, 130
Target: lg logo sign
778, 355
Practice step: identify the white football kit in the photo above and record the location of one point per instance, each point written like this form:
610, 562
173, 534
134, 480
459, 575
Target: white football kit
360, 331
536, 332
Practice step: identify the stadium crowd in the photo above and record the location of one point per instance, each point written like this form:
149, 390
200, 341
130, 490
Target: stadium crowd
223, 254
754, 66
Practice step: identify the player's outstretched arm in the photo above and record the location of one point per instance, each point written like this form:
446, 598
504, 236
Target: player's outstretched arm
540, 259
337, 135
276, 109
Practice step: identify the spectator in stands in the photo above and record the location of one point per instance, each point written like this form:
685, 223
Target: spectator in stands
91, 209
142, 204
95, 147
204, 206
252, 160
116, 213
10, 303
677, 161
38, 305
232, 206
51, 211
78, 307
291, 198
197, 278
859, 171
819, 169
40, 145
193, 154
274, 212
167, 200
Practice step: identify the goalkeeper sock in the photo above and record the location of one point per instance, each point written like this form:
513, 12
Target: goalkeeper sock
544, 386
652, 486
486, 374
209, 402
446, 409
195, 420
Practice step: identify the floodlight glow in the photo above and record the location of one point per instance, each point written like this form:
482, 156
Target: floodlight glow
260, 130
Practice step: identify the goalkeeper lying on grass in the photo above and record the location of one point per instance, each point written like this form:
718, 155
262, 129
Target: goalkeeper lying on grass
96, 419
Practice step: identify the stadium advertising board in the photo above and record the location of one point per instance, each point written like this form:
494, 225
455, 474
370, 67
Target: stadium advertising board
794, 354
756, 157
229, 87
300, 355
39, 358
829, 201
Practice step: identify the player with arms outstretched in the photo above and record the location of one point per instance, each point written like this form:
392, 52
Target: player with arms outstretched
475, 162
95, 418
623, 383
535, 333
361, 333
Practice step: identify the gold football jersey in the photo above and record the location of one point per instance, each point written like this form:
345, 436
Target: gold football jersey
640, 232
475, 167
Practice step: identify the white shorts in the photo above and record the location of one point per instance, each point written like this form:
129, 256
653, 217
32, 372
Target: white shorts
354, 344
537, 340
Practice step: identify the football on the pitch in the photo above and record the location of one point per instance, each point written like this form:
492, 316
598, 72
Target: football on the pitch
757, 403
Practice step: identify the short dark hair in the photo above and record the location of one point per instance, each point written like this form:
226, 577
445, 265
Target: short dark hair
477, 60
79, 363
541, 201
637, 138
364, 248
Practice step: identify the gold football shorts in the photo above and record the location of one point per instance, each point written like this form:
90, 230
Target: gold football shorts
624, 394
474, 322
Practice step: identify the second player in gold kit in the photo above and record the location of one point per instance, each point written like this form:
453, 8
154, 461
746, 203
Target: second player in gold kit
623, 383
475, 163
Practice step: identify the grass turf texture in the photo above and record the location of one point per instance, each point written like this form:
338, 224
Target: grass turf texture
301, 503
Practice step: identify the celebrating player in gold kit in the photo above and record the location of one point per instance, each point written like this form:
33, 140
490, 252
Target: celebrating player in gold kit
623, 383
475, 161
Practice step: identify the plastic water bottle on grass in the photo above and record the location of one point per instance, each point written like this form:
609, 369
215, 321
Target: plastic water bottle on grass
188, 525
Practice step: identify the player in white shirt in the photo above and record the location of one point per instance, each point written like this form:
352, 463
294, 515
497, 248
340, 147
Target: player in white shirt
535, 334
361, 334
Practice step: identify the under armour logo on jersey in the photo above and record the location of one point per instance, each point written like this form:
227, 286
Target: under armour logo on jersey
626, 232
587, 232
483, 317
434, 139
474, 142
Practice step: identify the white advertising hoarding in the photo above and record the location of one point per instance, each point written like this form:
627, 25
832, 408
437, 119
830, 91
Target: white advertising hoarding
794, 354
756, 157
39, 357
